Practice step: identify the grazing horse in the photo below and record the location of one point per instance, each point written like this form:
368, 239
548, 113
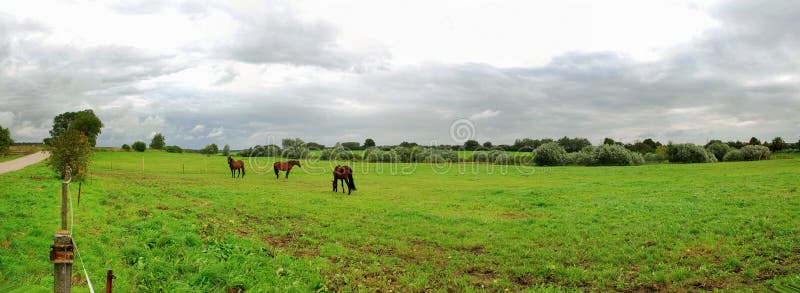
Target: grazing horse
236, 165
285, 166
344, 174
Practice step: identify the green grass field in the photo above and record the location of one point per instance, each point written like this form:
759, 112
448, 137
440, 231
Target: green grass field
9, 157
184, 225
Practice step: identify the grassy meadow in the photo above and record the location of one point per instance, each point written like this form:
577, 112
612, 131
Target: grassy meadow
179, 223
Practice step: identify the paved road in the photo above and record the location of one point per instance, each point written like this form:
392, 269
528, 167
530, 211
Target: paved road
23, 162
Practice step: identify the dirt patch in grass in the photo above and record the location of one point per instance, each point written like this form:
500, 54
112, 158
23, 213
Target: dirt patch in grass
143, 213
482, 274
5, 244
475, 249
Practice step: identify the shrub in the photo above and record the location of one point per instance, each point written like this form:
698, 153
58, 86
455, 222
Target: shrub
374, 154
173, 149
581, 158
337, 153
733, 155
261, 151
295, 152
139, 146
654, 158
126, 147
689, 153
605, 155
549, 154
616, 155
5, 140
755, 152
719, 149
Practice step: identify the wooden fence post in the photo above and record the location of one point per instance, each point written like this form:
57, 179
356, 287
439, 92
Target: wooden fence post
61, 252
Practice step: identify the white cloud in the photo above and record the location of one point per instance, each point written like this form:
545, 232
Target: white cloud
216, 132
484, 115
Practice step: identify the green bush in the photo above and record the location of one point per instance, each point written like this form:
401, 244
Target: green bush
755, 152
261, 151
689, 153
126, 147
733, 155
582, 158
173, 149
337, 153
550, 154
654, 158
139, 146
494, 156
605, 155
616, 155
719, 150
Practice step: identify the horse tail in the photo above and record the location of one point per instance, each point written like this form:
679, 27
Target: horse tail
350, 183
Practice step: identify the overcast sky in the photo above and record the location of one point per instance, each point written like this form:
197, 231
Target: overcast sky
253, 72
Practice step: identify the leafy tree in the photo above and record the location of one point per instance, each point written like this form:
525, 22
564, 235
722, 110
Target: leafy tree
173, 149
487, 145
84, 121
777, 144
158, 142
368, 143
754, 141
70, 150
572, 145
126, 147
733, 155
527, 144
719, 149
610, 141
315, 146
689, 153
736, 144
471, 145
292, 142
406, 144
644, 147
755, 152
211, 149
5, 140
226, 150
550, 154
350, 145
615, 155
139, 146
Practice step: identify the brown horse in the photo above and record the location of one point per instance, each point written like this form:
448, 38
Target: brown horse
285, 166
236, 165
344, 174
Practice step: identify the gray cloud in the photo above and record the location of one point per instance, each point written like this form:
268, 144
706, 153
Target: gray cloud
738, 80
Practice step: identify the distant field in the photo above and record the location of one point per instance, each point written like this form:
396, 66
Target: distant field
183, 225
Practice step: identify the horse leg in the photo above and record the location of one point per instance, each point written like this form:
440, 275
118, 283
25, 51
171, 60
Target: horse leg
276, 173
342, 181
287, 173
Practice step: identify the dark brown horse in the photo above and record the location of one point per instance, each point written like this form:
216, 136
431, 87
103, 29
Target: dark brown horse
285, 166
236, 165
344, 174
